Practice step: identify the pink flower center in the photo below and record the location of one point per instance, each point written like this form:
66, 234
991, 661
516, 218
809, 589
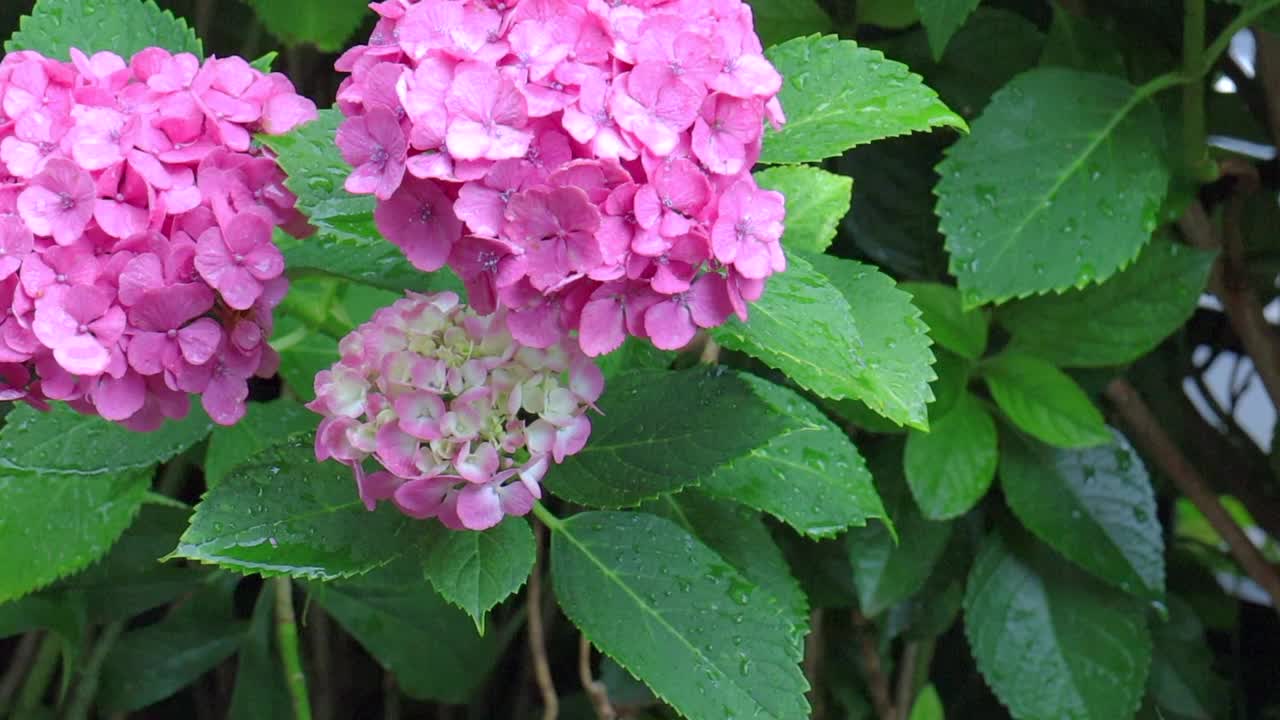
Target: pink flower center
60, 277
65, 201
82, 328
172, 333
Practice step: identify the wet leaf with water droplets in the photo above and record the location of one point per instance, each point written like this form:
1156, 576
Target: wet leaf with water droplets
816, 201
477, 570
264, 425
1044, 401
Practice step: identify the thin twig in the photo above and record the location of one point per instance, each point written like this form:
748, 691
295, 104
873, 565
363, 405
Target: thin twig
814, 649
290, 654
873, 672
905, 694
537, 641
596, 690
42, 669
390, 697
17, 670
87, 686
320, 630
1153, 439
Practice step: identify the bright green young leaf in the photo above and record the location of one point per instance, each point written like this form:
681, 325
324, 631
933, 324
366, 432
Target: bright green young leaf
707, 640
942, 18
1183, 682
1118, 321
1095, 506
282, 513
53, 524
660, 431
1058, 186
950, 468
887, 570
1052, 642
264, 425
778, 20
65, 441
1044, 401
810, 475
961, 331
477, 570
927, 706
261, 692
148, 665
431, 646
894, 354
325, 24
816, 200
838, 95
740, 537
122, 26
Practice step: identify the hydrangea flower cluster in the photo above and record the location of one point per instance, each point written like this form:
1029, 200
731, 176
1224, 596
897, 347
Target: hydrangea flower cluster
583, 163
464, 419
136, 259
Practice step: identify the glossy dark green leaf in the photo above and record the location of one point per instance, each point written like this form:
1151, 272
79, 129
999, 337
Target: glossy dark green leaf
1183, 682
816, 200
282, 513
1044, 401
950, 468
264, 425
660, 431
961, 331
707, 640
1077, 42
477, 570
1095, 506
121, 26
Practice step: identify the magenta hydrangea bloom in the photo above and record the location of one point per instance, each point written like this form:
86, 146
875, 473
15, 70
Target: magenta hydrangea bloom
583, 164
461, 420
136, 260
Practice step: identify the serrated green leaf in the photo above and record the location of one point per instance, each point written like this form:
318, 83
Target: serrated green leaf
1051, 641
740, 537
477, 570
810, 475
1081, 211
431, 646
120, 26
941, 20
950, 468
54, 524
961, 331
1095, 506
887, 570
816, 200
282, 513
1044, 401
778, 20
325, 24
660, 431
264, 425
261, 692
65, 441
837, 95
1118, 321
1183, 682
706, 640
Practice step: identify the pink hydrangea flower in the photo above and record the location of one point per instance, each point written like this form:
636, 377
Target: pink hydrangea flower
136, 260
462, 420
583, 165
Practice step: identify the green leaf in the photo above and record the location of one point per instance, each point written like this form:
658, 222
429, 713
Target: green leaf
303, 353
810, 475
325, 24
432, 647
961, 331
838, 95
822, 567
282, 513
927, 706
950, 468
887, 570
121, 26
1095, 506
952, 381
477, 570
148, 665
1076, 42
816, 200
740, 537
264, 425
261, 692
892, 14
53, 524
778, 20
64, 441
1079, 212
660, 431
707, 640
1183, 682
635, 354
347, 243
1052, 642
1045, 402
895, 342
1118, 321
942, 18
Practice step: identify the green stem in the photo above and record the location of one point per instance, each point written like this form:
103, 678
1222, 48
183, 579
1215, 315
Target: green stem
543, 514
1242, 21
290, 656
1193, 123
38, 679
87, 686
